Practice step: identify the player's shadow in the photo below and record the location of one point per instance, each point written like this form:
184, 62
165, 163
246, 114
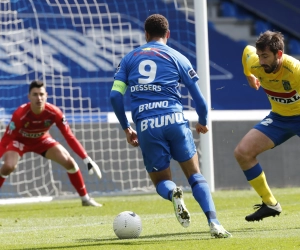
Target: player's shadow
142, 240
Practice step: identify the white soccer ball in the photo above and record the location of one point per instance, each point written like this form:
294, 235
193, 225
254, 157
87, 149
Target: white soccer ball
127, 225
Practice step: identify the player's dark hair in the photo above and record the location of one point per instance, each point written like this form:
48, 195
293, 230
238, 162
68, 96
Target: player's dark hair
36, 84
272, 40
157, 25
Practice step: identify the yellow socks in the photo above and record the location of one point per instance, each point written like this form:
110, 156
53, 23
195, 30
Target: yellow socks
262, 188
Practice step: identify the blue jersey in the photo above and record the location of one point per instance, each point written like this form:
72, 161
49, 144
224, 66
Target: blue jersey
153, 73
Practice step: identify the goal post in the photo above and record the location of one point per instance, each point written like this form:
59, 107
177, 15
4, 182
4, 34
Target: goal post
202, 52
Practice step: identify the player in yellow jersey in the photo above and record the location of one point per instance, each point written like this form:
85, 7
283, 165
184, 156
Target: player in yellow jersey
266, 66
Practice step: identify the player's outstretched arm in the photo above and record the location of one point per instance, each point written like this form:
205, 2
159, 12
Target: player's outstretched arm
92, 167
74, 144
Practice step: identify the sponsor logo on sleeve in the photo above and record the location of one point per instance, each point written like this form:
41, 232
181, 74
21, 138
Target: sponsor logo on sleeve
118, 68
248, 57
192, 73
12, 126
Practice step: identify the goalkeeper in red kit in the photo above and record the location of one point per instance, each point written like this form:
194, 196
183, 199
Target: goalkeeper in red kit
28, 131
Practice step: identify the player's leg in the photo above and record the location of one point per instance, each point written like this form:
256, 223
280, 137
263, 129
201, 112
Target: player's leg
10, 157
200, 188
183, 150
60, 155
251, 145
156, 156
10, 161
202, 195
162, 180
168, 190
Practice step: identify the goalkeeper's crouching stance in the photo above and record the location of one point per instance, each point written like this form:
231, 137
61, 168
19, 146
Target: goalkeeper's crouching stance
28, 131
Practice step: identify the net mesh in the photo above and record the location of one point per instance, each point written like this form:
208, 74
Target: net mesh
75, 46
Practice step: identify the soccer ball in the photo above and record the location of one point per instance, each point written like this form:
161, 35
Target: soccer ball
127, 225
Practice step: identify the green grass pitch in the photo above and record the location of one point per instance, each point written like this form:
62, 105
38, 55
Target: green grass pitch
65, 224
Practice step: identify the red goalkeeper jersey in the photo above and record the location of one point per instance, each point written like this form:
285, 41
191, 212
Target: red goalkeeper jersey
30, 129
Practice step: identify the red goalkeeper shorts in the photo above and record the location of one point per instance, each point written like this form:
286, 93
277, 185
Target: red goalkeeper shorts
40, 147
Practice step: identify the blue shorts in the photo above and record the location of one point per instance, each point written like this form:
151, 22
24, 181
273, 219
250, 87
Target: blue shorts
164, 137
279, 128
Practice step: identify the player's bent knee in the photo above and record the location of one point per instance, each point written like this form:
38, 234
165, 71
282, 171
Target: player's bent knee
240, 155
243, 154
236, 153
72, 168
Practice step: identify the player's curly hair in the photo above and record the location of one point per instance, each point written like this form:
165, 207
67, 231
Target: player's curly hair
36, 84
157, 25
273, 40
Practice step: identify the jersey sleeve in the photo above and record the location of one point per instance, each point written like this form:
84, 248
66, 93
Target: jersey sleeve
67, 133
187, 74
200, 103
121, 72
117, 102
249, 54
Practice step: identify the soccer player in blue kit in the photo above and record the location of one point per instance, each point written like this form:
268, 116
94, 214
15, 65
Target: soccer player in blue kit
153, 73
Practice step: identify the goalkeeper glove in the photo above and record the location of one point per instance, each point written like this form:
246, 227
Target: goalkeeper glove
92, 166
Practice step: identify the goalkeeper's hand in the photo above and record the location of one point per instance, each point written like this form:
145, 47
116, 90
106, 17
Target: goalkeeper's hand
92, 166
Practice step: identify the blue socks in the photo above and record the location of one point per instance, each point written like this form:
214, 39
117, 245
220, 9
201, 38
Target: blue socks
202, 195
165, 189
200, 191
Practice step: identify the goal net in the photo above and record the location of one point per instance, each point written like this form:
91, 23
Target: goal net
75, 46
